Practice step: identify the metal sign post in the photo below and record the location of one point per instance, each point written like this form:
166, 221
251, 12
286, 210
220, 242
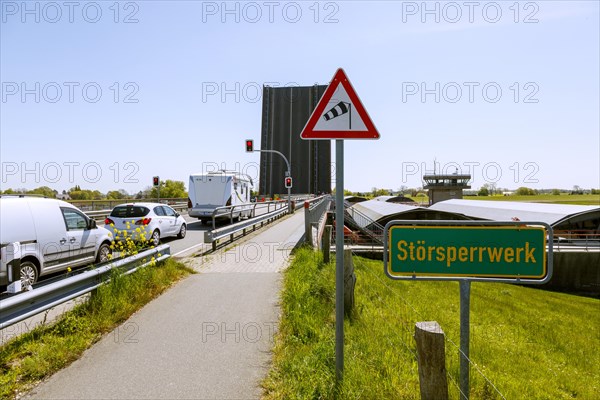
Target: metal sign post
333, 119
339, 259
465, 302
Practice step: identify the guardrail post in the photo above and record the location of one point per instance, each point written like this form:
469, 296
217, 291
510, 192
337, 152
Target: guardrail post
326, 243
314, 240
431, 359
307, 226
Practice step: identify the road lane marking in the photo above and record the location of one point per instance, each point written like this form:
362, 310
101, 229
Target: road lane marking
184, 250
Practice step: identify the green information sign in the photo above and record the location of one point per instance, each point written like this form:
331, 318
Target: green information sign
498, 252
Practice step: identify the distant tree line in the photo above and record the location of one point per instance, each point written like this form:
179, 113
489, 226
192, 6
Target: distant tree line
489, 189
375, 192
485, 190
168, 189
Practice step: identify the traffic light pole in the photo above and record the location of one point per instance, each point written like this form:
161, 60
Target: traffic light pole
287, 173
156, 184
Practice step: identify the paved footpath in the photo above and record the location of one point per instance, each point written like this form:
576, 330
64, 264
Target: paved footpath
208, 337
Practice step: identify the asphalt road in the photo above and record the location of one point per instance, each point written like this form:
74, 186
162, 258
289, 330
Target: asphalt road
180, 248
192, 241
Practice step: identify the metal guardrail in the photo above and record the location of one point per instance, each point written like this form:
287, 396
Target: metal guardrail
230, 230
99, 205
314, 211
586, 239
240, 209
24, 305
101, 214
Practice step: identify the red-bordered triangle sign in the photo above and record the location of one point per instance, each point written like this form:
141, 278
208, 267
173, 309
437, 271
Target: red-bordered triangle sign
339, 114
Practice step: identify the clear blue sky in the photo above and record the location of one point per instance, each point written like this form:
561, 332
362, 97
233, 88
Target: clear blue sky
179, 88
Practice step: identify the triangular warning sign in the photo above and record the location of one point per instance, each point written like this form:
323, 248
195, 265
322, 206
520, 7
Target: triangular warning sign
339, 114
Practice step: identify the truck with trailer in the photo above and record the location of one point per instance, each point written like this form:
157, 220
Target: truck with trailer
213, 190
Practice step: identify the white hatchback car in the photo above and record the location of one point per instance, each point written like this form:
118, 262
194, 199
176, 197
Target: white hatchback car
154, 221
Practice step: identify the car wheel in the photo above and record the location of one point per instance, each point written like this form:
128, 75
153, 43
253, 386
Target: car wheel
103, 253
155, 238
29, 273
182, 231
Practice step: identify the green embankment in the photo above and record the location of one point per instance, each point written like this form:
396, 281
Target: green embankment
582, 199
528, 343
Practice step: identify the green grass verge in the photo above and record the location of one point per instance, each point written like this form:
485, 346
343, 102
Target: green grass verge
35, 355
582, 199
529, 343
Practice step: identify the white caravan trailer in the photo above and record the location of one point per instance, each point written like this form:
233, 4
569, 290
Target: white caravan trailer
218, 189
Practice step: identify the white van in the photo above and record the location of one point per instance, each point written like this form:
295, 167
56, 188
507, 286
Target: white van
218, 189
53, 235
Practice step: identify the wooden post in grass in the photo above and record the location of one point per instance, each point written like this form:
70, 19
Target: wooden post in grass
326, 243
349, 282
431, 357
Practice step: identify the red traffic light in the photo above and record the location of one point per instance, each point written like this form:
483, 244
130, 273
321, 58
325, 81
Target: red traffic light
249, 146
155, 181
288, 182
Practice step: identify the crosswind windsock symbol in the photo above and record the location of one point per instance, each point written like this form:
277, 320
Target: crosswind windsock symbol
340, 108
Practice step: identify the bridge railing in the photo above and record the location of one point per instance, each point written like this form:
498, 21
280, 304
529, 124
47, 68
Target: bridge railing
250, 209
569, 239
258, 214
315, 212
276, 211
100, 205
366, 225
